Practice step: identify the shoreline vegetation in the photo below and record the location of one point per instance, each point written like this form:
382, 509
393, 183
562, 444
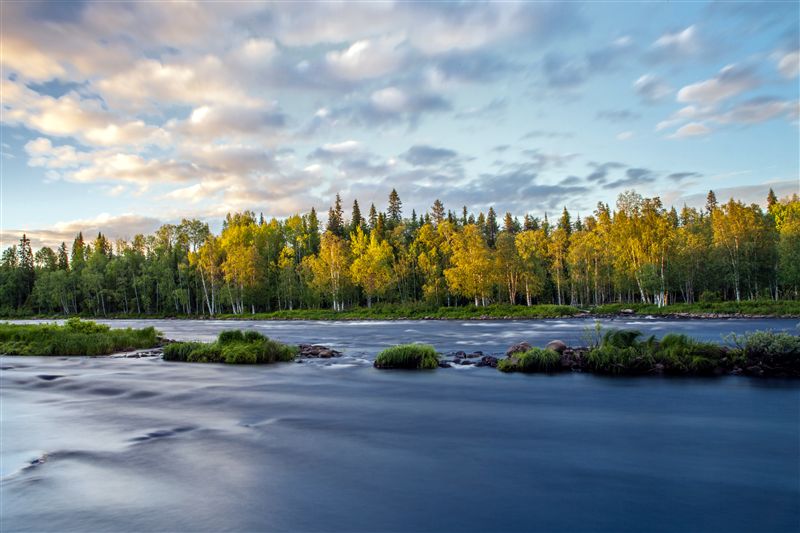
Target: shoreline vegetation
610, 352
744, 309
640, 254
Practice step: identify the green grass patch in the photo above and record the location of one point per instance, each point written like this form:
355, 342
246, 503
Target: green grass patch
625, 352
744, 308
75, 337
232, 347
534, 360
774, 351
409, 356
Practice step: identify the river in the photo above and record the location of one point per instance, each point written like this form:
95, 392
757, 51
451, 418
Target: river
92, 444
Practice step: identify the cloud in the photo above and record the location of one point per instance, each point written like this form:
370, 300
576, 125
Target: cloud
680, 176
651, 89
677, 45
692, 129
730, 81
562, 72
546, 134
124, 226
224, 120
366, 58
758, 110
618, 115
491, 110
789, 64
625, 135
634, 177
601, 170
421, 155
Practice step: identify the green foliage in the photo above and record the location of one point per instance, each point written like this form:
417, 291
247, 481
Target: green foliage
534, 360
409, 356
75, 337
621, 352
232, 347
769, 349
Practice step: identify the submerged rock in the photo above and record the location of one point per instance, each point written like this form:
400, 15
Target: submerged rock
488, 360
317, 351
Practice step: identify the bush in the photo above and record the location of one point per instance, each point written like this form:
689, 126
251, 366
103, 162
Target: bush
775, 352
534, 360
232, 347
682, 354
410, 356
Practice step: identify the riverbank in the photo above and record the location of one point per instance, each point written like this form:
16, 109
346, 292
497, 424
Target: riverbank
711, 310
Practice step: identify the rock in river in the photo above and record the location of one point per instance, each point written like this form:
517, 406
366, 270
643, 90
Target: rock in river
556, 346
518, 348
315, 350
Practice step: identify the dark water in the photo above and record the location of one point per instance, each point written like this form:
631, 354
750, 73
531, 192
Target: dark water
142, 444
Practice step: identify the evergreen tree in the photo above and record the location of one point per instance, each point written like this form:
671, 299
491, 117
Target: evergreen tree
565, 222
508, 224
313, 232
63, 258
437, 211
491, 229
336, 218
395, 210
772, 200
356, 221
78, 257
711, 202
373, 217
464, 217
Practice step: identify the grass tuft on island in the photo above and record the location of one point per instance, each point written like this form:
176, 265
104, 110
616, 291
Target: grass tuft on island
534, 360
408, 356
232, 347
75, 337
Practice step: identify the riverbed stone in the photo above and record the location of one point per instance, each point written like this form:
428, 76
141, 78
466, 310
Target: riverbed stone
317, 351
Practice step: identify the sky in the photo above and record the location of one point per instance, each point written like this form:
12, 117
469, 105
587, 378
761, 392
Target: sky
119, 117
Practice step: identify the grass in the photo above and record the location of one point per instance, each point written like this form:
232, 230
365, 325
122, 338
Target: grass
408, 356
745, 308
534, 360
75, 337
232, 347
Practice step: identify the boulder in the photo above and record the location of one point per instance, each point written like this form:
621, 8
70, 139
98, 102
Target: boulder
556, 346
317, 351
445, 364
519, 347
488, 360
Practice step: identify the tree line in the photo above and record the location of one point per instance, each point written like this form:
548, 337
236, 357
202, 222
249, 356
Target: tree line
638, 252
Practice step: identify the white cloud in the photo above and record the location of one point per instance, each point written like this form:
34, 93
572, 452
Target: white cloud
681, 43
651, 88
344, 147
692, 129
789, 64
625, 135
730, 81
390, 99
367, 58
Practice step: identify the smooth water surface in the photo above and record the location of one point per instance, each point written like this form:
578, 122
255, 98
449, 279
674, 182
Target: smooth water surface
92, 444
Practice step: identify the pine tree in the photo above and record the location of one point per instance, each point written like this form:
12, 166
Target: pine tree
711, 202
530, 223
63, 258
508, 223
771, 199
565, 222
356, 221
395, 210
464, 217
373, 217
78, 257
336, 218
437, 211
491, 229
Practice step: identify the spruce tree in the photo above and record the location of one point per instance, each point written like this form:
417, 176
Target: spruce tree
373, 217
565, 221
437, 211
356, 221
395, 210
491, 228
711, 202
63, 258
771, 199
313, 232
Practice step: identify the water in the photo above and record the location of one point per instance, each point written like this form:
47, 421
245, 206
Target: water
143, 444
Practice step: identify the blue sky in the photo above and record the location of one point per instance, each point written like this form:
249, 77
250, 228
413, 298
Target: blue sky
120, 117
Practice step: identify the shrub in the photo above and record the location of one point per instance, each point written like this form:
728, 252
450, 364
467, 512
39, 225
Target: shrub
775, 351
411, 356
534, 360
680, 354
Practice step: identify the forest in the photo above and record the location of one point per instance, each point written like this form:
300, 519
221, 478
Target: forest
640, 251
